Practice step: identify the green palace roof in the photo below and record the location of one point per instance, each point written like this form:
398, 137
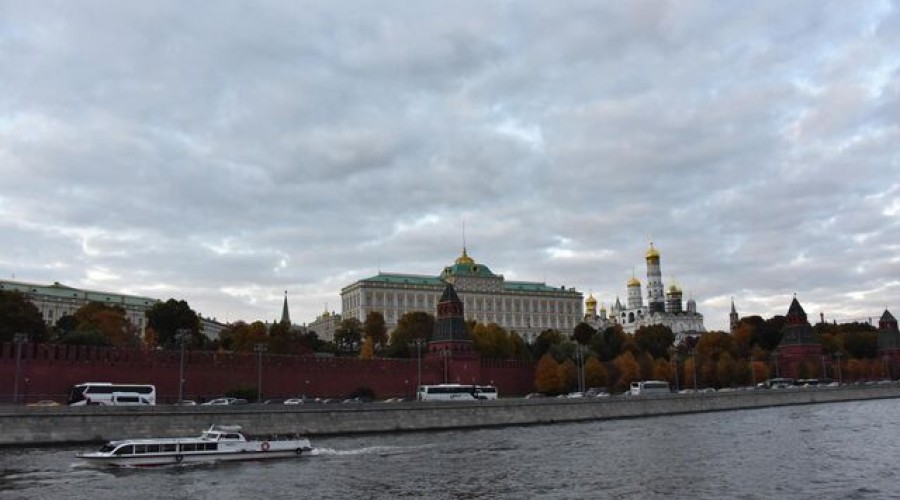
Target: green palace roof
62, 291
436, 281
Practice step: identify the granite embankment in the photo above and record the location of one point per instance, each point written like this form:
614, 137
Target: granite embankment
24, 426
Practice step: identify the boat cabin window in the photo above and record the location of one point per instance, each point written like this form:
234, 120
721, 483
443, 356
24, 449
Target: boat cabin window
125, 450
140, 448
231, 436
188, 447
152, 448
211, 446
168, 447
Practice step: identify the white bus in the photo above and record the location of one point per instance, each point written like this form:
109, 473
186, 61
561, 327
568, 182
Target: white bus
108, 394
649, 387
456, 392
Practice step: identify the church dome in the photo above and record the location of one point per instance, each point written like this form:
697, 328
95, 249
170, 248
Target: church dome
674, 289
591, 302
652, 253
464, 259
634, 282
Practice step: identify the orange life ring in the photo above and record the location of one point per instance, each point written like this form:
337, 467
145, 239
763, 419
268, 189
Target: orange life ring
264, 446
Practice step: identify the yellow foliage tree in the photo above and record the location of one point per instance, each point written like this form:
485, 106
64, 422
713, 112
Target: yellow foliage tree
628, 370
546, 378
662, 370
595, 374
367, 351
568, 374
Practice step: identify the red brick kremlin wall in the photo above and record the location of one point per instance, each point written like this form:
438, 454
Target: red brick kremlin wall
47, 371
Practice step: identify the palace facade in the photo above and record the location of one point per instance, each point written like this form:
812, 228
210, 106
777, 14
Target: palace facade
528, 308
57, 300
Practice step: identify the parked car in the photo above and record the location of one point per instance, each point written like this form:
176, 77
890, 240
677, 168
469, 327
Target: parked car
221, 402
186, 402
294, 401
44, 402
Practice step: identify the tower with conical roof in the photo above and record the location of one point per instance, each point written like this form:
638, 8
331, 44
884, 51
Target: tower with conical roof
655, 289
889, 342
285, 315
451, 342
800, 350
733, 319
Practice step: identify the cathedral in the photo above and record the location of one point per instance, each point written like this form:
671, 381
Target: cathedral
663, 307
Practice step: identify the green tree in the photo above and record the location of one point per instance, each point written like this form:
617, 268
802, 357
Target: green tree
19, 315
518, 348
411, 326
491, 341
348, 334
374, 328
609, 343
583, 333
167, 318
655, 340
726, 370
282, 338
544, 341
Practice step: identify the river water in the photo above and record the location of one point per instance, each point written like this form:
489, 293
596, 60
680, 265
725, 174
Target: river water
827, 451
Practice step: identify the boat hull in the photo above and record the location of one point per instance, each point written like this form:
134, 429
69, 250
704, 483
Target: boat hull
162, 459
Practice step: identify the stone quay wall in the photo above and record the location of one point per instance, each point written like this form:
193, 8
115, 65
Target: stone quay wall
23, 426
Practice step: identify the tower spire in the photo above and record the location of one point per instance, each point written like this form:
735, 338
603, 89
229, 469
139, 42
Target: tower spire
285, 315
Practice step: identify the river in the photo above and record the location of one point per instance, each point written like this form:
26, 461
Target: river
825, 451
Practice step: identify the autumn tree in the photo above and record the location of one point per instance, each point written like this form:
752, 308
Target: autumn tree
628, 371
595, 374
168, 318
374, 327
726, 370
568, 374
547, 379
19, 315
544, 341
367, 350
107, 321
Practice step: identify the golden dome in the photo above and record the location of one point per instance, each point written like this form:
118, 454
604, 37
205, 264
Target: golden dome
652, 253
465, 259
634, 282
674, 289
591, 301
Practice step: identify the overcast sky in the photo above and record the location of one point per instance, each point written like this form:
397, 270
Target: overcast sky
226, 152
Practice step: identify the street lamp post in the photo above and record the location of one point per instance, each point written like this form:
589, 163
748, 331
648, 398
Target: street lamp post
260, 349
19, 339
694, 363
181, 337
418, 341
752, 373
838, 356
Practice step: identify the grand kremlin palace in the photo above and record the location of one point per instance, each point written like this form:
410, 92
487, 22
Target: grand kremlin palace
527, 308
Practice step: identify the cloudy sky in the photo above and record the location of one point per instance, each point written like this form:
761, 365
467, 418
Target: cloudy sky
224, 152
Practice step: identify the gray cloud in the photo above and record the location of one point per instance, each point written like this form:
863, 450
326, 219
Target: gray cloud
225, 155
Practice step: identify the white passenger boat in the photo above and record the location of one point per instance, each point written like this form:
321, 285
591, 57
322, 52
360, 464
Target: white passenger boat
218, 443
